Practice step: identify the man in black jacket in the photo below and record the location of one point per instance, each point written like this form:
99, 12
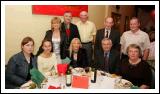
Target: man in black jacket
107, 32
108, 59
69, 28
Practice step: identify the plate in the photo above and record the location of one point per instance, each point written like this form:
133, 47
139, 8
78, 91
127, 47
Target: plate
77, 71
26, 85
122, 84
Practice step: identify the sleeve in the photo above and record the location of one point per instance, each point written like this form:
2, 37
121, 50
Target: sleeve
10, 74
77, 32
94, 29
146, 42
147, 74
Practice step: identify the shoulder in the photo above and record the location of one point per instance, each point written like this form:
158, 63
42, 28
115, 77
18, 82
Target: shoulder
48, 31
73, 25
18, 56
82, 50
143, 33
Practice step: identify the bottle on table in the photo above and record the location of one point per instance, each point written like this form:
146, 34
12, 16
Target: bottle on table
68, 77
93, 75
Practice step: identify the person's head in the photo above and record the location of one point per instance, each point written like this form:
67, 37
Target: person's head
152, 36
83, 16
55, 23
47, 46
134, 24
27, 45
134, 52
106, 44
67, 17
75, 45
108, 22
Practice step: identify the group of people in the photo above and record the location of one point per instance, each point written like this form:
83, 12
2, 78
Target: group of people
103, 49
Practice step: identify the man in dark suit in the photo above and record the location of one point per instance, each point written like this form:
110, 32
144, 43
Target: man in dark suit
108, 59
69, 28
107, 32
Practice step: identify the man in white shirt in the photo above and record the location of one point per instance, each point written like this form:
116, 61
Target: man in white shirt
135, 36
87, 31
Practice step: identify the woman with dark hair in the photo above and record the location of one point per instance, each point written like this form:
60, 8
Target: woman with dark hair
47, 61
57, 37
19, 65
135, 69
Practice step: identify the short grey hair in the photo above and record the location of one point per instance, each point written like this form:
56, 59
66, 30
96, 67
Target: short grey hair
107, 39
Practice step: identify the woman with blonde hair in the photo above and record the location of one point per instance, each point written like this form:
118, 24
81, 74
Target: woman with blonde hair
77, 54
57, 37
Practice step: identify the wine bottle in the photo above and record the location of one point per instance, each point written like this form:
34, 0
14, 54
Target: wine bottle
68, 77
93, 75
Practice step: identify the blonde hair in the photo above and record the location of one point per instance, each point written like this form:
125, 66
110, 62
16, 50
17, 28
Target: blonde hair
55, 20
70, 47
136, 47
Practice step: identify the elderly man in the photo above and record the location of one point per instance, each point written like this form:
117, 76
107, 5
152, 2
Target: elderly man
135, 36
87, 31
69, 28
108, 59
107, 32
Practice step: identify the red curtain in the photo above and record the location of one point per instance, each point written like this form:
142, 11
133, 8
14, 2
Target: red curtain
58, 9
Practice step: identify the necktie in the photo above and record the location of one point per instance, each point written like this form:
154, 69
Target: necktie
106, 62
106, 34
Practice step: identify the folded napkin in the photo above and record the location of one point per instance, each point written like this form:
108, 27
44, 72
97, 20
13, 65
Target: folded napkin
37, 77
66, 60
53, 87
134, 87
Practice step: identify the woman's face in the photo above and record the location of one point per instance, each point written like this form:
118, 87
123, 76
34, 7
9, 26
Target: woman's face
76, 45
133, 54
28, 47
47, 47
55, 26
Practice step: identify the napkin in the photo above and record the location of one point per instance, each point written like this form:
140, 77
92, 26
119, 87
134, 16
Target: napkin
134, 87
36, 76
66, 60
53, 87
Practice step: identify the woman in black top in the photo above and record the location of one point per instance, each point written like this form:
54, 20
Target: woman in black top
56, 34
77, 54
135, 69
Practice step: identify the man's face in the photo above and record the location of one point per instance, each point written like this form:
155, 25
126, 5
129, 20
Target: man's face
67, 17
106, 45
134, 25
108, 23
83, 16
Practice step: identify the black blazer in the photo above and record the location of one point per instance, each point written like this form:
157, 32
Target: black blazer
114, 36
82, 60
63, 42
74, 33
114, 59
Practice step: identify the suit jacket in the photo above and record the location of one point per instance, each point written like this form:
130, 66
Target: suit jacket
63, 43
74, 33
82, 60
114, 36
17, 70
114, 59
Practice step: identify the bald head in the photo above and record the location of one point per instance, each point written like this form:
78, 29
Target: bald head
83, 16
108, 22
